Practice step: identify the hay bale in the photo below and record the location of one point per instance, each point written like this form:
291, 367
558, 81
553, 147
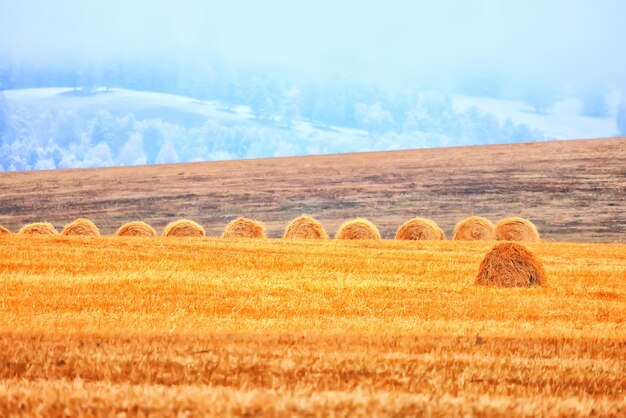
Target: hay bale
516, 229
244, 228
475, 228
4, 231
510, 264
39, 228
82, 227
358, 228
305, 227
420, 229
136, 229
184, 228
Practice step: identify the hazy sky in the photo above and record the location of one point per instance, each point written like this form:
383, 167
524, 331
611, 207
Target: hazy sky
392, 39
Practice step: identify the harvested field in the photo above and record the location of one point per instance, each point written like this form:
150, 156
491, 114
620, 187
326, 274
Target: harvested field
103, 326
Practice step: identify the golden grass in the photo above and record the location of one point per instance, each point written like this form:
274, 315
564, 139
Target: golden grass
275, 327
4, 231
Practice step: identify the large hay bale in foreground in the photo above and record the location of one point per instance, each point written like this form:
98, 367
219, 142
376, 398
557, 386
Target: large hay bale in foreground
305, 227
136, 229
475, 228
244, 228
510, 264
516, 229
420, 229
39, 228
184, 228
82, 227
359, 229
4, 231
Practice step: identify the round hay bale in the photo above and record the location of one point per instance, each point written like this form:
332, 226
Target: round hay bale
305, 227
184, 228
420, 229
4, 231
39, 228
510, 264
244, 228
82, 227
475, 228
516, 229
358, 228
136, 229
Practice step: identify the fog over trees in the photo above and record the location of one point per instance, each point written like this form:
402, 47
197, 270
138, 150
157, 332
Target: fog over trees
287, 80
282, 120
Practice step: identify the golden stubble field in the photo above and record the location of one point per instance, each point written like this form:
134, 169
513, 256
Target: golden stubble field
165, 327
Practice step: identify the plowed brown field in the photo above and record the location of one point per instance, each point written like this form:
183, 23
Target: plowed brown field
572, 190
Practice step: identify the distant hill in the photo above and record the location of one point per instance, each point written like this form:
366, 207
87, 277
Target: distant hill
562, 121
573, 190
65, 128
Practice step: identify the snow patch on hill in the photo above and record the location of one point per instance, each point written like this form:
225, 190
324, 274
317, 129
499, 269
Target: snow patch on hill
561, 121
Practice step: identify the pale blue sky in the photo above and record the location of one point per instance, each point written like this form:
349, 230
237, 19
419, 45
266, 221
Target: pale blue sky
388, 40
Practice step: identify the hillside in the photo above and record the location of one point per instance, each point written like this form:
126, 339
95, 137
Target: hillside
572, 190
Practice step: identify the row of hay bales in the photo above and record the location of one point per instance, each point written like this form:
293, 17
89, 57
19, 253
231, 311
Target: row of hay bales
473, 228
507, 264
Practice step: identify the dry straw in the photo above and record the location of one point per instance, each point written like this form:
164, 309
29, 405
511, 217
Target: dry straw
475, 228
136, 229
4, 231
82, 227
244, 228
510, 264
38, 228
305, 227
358, 228
420, 229
184, 228
516, 229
